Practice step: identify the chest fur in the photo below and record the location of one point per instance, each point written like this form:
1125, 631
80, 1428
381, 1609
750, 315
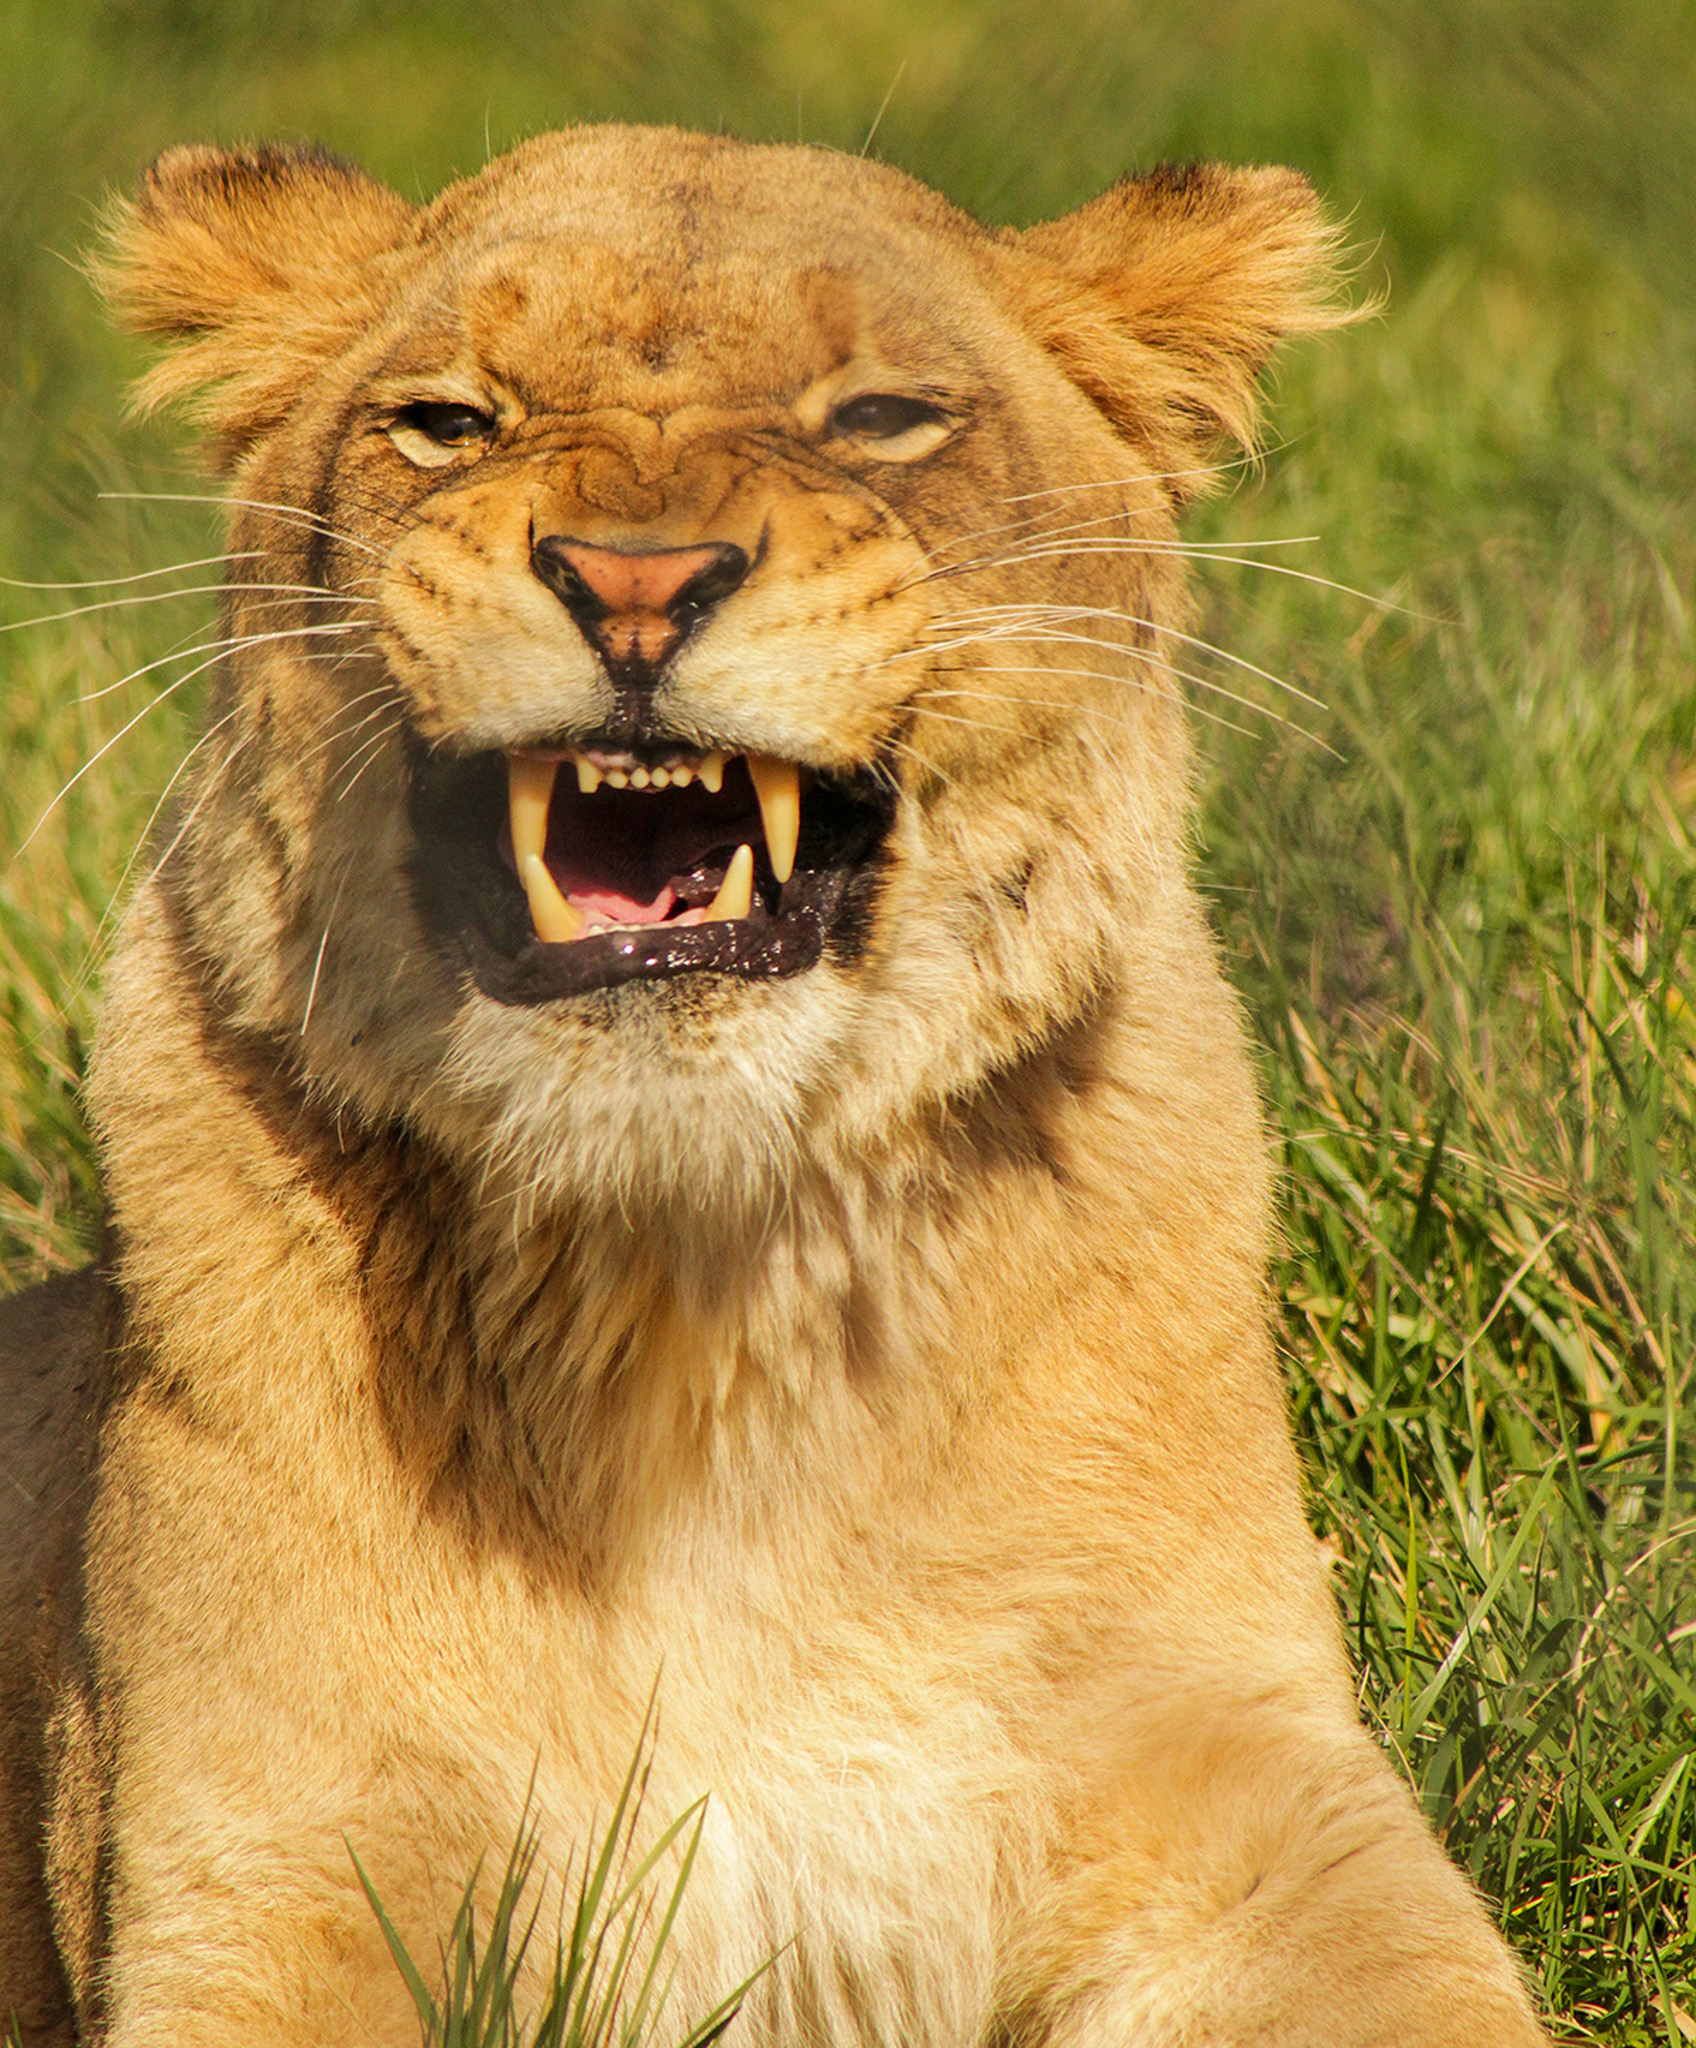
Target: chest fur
352, 1682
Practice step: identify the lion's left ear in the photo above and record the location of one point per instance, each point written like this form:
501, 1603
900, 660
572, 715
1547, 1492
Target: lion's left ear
261, 262
1163, 299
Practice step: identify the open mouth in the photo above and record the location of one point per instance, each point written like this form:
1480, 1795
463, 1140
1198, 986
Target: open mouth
558, 870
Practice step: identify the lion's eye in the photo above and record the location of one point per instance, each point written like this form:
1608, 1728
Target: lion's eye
448, 425
887, 416
431, 432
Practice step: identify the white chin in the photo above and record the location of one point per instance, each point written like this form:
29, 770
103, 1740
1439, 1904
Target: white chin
642, 1102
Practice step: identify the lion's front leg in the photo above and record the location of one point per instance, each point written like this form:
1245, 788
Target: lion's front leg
1275, 1893
249, 1951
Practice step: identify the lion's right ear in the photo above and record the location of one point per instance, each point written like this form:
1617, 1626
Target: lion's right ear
263, 262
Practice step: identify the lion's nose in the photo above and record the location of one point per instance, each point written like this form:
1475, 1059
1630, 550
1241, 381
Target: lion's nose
637, 606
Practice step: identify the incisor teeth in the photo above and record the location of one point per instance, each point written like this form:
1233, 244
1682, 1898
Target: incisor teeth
682, 775
617, 778
639, 778
530, 786
735, 896
588, 775
777, 784
711, 771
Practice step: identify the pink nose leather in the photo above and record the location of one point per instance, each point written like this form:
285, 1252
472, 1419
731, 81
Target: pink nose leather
637, 605
637, 583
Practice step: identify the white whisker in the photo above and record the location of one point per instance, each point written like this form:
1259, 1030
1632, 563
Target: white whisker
925, 762
1153, 543
1247, 461
1182, 675
925, 698
99, 756
371, 749
1136, 683
140, 575
1106, 544
297, 514
318, 964
1011, 732
194, 810
170, 689
153, 815
1123, 483
335, 729
1018, 619
95, 946
1212, 718
134, 603
214, 648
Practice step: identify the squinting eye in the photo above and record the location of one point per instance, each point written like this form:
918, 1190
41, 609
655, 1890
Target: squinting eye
881, 415
448, 425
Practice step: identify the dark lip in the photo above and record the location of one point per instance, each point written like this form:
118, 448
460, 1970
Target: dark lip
473, 906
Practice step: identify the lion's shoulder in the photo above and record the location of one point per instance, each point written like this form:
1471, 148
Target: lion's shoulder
53, 1341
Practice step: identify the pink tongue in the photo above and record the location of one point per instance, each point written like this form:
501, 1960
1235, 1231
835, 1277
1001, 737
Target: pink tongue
609, 906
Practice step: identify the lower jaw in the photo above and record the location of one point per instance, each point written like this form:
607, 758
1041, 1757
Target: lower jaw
759, 947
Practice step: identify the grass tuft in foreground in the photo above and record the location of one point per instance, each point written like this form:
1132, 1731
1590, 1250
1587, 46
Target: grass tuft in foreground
608, 1979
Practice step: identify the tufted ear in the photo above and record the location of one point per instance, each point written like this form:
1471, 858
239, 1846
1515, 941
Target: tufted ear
1163, 298
263, 261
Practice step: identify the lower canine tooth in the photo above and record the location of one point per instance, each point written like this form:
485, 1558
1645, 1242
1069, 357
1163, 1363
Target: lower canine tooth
735, 896
555, 921
777, 784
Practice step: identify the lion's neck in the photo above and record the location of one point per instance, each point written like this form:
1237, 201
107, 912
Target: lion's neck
619, 1377
589, 1381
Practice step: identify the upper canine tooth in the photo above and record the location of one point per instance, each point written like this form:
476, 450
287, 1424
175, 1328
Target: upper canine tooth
588, 775
711, 771
529, 790
777, 784
735, 896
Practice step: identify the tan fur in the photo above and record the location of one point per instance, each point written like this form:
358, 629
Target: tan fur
877, 1356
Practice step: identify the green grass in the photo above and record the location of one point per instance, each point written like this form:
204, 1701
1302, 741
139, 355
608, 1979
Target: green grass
609, 1974
1465, 936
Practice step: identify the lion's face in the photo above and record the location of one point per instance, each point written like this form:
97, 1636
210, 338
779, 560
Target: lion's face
699, 611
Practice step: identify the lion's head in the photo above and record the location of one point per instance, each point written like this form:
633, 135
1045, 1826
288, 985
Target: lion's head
699, 688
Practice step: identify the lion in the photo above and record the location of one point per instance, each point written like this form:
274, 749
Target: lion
673, 1128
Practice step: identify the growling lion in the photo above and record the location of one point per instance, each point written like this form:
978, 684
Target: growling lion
671, 1118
